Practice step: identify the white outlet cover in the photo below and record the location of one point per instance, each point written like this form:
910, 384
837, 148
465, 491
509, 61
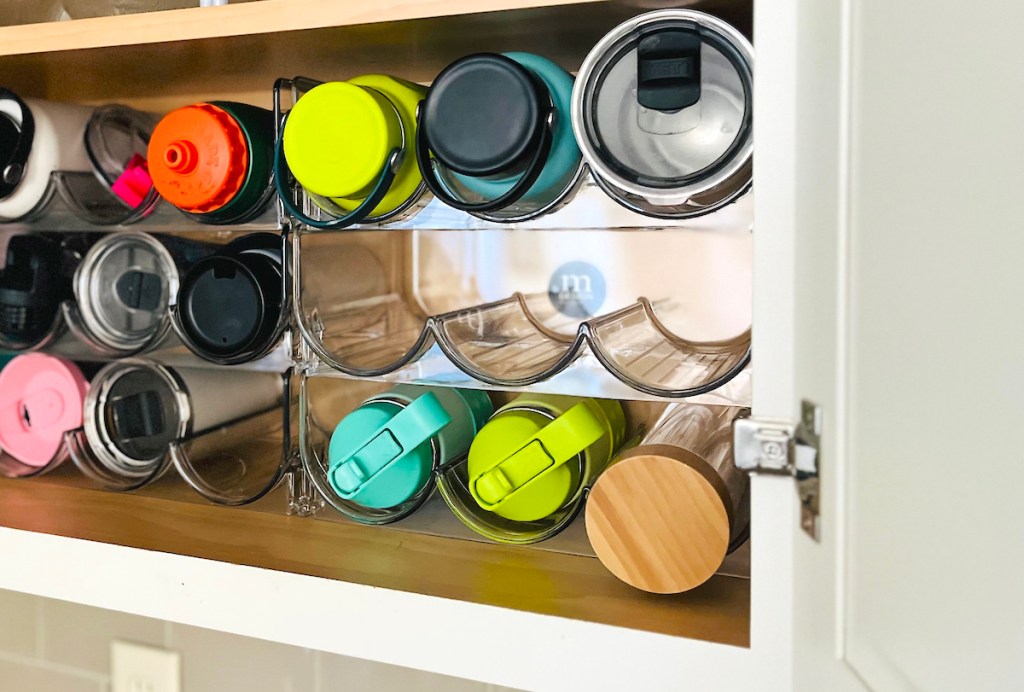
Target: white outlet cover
136, 668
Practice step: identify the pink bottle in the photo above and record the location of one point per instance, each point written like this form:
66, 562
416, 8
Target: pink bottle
41, 398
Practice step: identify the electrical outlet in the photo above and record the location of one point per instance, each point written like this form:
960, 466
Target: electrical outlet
135, 668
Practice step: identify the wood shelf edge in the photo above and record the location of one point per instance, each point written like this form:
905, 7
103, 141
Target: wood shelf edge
266, 16
532, 581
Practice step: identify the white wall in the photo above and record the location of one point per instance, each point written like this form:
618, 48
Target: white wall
55, 646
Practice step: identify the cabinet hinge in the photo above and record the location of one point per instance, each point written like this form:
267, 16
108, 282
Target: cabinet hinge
785, 447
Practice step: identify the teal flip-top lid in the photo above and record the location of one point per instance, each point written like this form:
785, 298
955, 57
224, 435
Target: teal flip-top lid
381, 454
5, 359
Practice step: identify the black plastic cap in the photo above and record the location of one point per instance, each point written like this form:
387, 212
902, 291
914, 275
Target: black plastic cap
10, 133
231, 304
137, 416
16, 144
32, 286
483, 115
668, 69
140, 290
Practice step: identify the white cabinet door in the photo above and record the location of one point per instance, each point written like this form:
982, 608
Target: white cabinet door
908, 328
934, 370
799, 176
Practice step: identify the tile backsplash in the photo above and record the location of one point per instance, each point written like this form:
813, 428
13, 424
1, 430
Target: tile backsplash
55, 646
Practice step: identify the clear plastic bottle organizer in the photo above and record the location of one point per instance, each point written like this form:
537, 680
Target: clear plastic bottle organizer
446, 507
93, 159
667, 312
117, 295
124, 426
665, 309
141, 419
418, 304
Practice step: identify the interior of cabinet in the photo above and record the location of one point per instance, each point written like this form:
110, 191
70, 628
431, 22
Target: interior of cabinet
168, 516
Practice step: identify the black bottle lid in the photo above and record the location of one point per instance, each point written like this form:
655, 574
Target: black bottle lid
484, 115
231, 302
668, 69
32, 286
138, 415
16, 138
141, 415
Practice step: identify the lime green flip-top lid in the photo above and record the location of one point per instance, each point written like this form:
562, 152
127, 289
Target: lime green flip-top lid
381, 454
517, 465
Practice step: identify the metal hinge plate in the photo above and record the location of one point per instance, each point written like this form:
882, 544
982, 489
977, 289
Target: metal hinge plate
785, 447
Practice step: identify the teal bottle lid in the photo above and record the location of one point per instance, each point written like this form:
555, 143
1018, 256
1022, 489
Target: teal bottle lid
381, 454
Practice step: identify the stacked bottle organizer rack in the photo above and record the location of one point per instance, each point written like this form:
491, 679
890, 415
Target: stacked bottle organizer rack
591, 299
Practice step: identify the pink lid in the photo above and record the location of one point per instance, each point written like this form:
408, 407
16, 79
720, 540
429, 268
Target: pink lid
41, 397
134, 184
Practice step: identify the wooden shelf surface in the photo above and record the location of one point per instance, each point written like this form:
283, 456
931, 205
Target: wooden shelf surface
524, 579
163, 60
265, 16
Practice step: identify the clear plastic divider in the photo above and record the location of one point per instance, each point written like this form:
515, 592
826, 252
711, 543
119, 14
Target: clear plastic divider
665, 312
242, 461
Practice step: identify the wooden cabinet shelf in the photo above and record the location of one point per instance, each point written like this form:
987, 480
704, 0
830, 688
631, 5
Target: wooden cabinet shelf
255, 18
162, 60
520, 578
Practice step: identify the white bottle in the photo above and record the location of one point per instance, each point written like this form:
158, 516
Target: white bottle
57, 144
135, 408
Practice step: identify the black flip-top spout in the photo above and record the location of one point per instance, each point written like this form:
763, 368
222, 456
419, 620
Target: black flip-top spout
140, 290
668, 69
138, 415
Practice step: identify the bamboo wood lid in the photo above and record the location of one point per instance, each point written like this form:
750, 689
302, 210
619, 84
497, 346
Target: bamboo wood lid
659, 519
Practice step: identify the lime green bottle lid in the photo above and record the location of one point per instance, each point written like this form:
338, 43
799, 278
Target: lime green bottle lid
517, 465
338, 137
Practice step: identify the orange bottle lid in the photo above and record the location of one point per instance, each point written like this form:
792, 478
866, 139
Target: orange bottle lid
198, 157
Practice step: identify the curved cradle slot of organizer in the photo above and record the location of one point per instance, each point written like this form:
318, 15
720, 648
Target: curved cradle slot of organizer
514, 342
72, 319
453, 484
233, 464
97, 472
68, 321
14, 468
242, 461
90, 201
57, 328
